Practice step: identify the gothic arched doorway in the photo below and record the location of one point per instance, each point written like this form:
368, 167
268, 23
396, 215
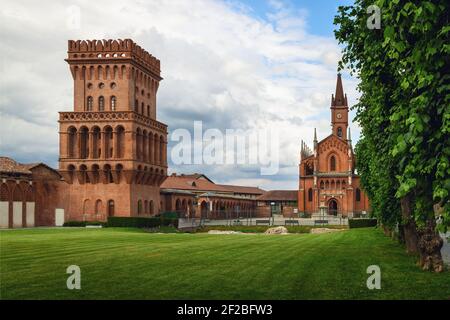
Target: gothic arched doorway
332, 207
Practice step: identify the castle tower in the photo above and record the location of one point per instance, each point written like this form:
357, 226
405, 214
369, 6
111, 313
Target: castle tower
112, 148
339, 111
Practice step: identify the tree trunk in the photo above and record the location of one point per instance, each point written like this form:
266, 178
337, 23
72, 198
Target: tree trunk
430, 244
409, 226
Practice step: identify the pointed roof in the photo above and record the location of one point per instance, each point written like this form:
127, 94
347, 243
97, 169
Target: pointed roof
339, 98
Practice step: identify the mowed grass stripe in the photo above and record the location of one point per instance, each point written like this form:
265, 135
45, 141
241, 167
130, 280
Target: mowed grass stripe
132, 264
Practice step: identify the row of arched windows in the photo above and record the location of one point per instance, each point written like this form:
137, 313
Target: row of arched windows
357, 193
144, 110
145, 207
113, 73
106, 174
18, 193
332, 184
150, 147
98, 208
95, 143
101, 103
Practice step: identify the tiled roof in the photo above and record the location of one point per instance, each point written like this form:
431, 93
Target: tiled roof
8, 165
279, 195
195, 182
243, 189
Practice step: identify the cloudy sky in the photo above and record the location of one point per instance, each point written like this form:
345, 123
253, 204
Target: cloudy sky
249, 65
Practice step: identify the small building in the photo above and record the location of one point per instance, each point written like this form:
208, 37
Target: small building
277, 202
195, 195
29, 195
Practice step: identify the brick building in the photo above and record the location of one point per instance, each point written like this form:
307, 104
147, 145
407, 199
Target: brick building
197, 196
113, 156
327, 175
112, 148
29, 194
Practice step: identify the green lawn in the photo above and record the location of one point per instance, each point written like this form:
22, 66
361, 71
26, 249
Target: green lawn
132, 264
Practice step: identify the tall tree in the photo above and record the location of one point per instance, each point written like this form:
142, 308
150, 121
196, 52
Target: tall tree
404, 111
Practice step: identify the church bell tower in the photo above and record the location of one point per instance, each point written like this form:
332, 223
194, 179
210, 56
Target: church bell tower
339, 111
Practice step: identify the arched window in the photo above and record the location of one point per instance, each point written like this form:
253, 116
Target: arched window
310, 195
101, 103
113, 103
111, 208
139, 207
358, 194
322, 186
152, 209
148, 111
142, 108
136, 105
90, 103
333, 163
339, 132
98, 206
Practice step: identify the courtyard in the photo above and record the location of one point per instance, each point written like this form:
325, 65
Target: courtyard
135, 264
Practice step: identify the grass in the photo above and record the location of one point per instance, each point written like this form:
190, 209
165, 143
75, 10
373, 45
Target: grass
134, 264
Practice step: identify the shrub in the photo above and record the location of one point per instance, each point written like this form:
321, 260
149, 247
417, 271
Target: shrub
169, 215
141, 222
361, 223
83, 223
74, 224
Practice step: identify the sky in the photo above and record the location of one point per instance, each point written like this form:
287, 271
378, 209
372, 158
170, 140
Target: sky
248, 65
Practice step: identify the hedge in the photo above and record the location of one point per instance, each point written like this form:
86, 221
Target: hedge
83, 223
141, 222
361, 223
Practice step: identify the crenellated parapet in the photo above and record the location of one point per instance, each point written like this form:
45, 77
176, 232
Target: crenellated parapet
80, 50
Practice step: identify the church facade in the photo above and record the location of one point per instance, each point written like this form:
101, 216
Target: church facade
327, 177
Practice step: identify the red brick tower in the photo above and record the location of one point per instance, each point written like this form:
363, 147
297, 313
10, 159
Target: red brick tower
339, 111
112, 149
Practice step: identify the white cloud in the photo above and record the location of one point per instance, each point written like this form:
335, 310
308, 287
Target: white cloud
219, 64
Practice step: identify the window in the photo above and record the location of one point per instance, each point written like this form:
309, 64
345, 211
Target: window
136, 106
310, 194
139, 207
148, 111
333, 163
101, 103
113, 103
358, 194
90, 102
110, 208
339, 132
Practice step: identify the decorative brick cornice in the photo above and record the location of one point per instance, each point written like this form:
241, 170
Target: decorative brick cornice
108, 116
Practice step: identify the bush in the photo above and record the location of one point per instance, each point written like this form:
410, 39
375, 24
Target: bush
361, 223
83, 223
141, 222
74, 224
169, 215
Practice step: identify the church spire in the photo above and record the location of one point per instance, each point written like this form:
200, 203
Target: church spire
339, 111
339, 98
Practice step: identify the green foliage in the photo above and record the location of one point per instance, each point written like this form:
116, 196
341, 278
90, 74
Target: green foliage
169, 215
404, 108
83, 223
141, 222
74, 224
361, 223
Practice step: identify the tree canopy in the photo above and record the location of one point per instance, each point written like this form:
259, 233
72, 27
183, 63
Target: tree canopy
404, 108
